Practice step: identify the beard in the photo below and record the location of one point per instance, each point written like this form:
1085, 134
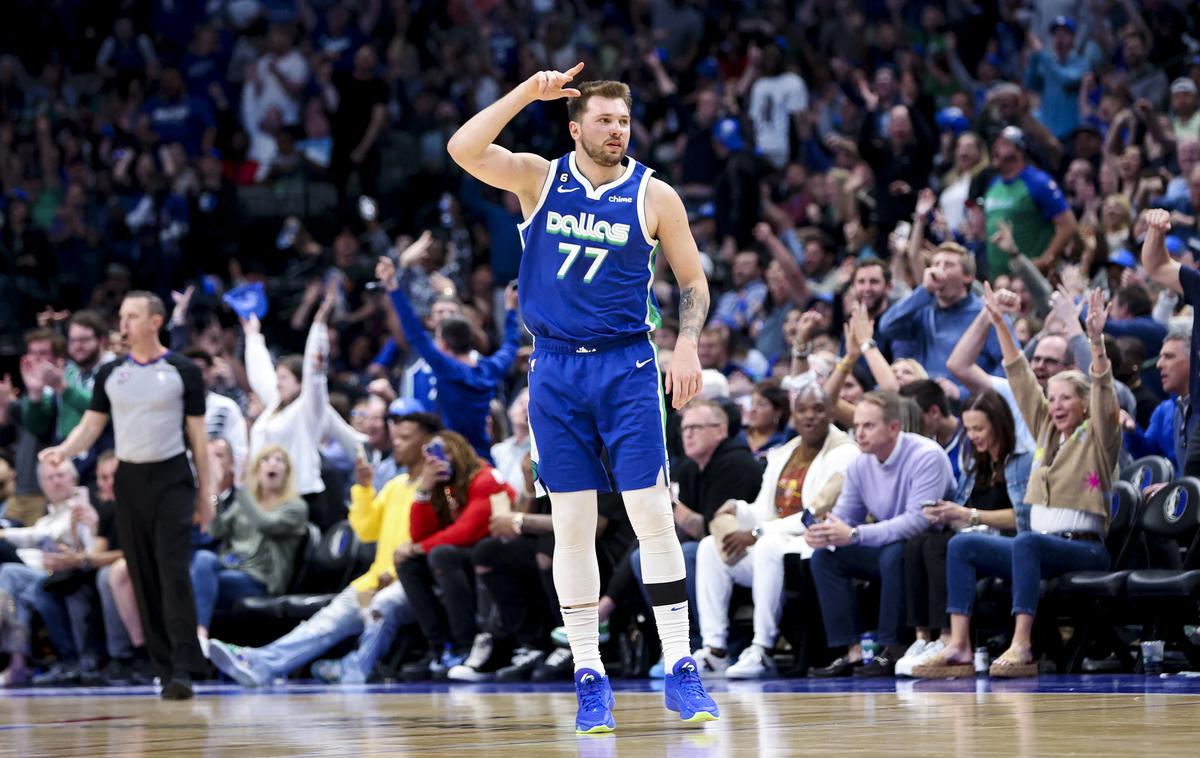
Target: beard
600, 155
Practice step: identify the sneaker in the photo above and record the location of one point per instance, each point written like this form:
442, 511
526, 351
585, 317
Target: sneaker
475, 667
328, 671
179, 688
450, 658
558, 635
709, 663
58, 675
904, 666
595, 703
238, 664
685, 694
525, 661
419, 670
754, 663
557, 666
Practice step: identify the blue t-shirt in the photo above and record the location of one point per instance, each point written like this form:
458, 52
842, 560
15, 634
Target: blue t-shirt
184, 121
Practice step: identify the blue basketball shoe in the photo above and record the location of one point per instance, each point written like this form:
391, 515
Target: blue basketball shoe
685, 693
595, 703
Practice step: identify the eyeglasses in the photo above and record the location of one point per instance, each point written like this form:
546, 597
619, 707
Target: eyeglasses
697, 427
1043, 359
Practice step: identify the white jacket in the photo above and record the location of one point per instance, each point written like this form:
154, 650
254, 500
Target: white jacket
300, 426
819, 493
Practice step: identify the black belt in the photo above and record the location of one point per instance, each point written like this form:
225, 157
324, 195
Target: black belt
1079, 536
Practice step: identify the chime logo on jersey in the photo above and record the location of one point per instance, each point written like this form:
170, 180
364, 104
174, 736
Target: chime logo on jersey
586, 227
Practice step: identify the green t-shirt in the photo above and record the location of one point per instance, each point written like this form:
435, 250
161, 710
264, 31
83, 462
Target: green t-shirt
1029, 202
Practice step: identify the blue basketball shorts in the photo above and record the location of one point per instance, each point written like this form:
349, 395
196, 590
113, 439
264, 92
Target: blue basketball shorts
584, 399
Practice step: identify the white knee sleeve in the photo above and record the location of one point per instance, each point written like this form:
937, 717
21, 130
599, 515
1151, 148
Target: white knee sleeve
576, 570
650, 515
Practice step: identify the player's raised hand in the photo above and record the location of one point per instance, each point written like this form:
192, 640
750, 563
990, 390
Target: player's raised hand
552, 85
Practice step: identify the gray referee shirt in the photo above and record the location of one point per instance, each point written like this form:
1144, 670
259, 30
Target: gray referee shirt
148, 404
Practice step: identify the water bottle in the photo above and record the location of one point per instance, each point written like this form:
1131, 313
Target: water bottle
869, 647
982, 662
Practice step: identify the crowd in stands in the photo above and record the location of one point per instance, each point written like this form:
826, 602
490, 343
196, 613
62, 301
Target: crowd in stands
952, 252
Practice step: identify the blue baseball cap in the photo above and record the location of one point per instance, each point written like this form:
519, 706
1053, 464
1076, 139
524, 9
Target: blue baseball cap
402, 406
1063, 22
952, 119
729, 133
1122, 257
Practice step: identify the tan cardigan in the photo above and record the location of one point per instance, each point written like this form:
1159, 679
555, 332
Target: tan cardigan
1082, 471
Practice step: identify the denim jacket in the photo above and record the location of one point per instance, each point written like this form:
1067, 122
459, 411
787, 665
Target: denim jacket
1016, 479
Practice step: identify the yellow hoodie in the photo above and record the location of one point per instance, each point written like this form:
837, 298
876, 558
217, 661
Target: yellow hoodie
384, 520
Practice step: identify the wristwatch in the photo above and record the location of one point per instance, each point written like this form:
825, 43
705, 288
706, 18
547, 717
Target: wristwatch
854, 536
975, 517
802, 351
757, 533
867, 345
518, 520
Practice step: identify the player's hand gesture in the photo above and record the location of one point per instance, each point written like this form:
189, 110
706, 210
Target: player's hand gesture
551, 85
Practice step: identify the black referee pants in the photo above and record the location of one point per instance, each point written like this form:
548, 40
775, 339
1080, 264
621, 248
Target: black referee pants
155, 506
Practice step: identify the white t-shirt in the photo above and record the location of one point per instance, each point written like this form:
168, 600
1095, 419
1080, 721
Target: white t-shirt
773, 100
1024, 437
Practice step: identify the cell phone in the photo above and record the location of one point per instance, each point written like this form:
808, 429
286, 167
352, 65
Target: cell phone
929, 503
809, 518
437, 450
367, 208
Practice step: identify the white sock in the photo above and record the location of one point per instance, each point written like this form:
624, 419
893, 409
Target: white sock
583, 633
673, 631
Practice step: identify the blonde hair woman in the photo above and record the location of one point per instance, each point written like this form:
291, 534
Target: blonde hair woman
261, 530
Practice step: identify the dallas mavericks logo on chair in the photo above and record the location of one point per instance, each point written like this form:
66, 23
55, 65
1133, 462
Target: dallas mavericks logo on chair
1175, 505
1114, 506
1142, 476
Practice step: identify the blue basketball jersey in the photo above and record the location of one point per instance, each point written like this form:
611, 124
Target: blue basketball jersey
588, 261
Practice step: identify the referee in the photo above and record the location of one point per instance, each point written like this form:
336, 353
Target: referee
156, 399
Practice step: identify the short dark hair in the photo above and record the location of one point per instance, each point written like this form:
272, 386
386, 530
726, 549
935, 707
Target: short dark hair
456, 333
89, 320
587, 90
199, 355
928, 394
153, 302
429, 423
861, 263
1136, 300
58, 345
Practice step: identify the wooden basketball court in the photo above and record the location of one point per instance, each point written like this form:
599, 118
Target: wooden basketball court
1056, 716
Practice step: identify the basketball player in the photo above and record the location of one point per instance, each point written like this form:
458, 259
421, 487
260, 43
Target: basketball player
594, 219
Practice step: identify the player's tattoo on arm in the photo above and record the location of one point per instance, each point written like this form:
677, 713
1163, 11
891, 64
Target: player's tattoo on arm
693, 310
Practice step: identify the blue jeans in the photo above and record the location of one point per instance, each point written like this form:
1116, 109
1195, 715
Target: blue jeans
213, 583
335, 622
1025, 560
832, 572
19, 585
116, 638
689, 565
66, 618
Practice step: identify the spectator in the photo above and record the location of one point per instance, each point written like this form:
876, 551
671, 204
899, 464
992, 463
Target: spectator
1185, 110
382, 518
223, 418
271, 95
451, 509
260, 531
1168, 430
466, 385
989, 498
1067, 527
938, 311
175, 115
509, 454
767, 419
69, 524
777, 99
937, 423
126, 54
359, 116
1145, 80
1030, 201
369, 417
741, 306
803, 478
901, 160
1056, 75
895, 474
